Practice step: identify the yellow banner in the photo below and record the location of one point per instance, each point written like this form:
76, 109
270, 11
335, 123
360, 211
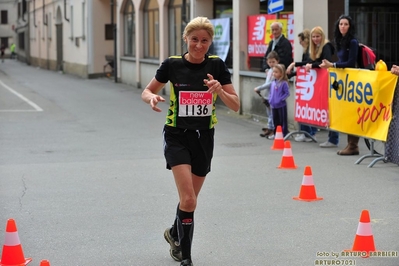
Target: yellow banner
268, 35
362, 103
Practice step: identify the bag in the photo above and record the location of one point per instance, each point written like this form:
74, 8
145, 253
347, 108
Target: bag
366, 57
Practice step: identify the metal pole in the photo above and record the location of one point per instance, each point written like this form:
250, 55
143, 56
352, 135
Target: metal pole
346, 12
114, 36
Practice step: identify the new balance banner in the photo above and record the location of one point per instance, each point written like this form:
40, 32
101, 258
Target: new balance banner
311, 97
257, 45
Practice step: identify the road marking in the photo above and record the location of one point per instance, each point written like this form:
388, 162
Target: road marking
35, 106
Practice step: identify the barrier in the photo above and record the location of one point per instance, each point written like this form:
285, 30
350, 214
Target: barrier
338, 99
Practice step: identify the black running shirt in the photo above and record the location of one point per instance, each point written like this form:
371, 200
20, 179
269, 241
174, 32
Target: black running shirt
191, 107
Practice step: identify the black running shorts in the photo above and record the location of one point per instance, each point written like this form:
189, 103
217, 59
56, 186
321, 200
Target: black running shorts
186, 146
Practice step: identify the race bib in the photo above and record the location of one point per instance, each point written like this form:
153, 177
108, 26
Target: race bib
195, 103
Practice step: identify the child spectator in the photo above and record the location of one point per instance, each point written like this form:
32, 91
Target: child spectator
279, 92
272, 60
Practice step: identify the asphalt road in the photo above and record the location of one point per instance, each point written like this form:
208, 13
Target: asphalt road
82, 173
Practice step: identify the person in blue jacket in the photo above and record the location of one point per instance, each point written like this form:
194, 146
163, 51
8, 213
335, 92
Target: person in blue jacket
347, 50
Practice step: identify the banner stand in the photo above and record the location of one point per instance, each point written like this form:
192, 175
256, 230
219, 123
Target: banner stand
372, 155
311, 104
391, 153
300, 132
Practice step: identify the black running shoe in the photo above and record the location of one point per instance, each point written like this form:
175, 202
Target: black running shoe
175, 249
186, 262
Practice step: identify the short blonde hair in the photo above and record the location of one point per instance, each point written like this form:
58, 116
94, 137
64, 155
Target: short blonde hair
199, 23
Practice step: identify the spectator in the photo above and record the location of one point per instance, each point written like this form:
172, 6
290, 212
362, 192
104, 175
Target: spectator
279, 92
304, 38
320, 48
280, 44
272, 60
395, 70
347, 49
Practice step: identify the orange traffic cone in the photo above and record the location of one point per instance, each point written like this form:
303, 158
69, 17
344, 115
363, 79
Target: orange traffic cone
364, 240
12, 254
44, 263
278, 143
308, 190
287, 161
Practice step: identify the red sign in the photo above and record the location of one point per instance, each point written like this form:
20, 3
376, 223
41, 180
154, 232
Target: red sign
290, 31
256, 34
311, 97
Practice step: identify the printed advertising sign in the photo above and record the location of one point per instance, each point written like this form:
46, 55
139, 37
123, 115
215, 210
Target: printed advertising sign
260, 33
221, 40
353, 101
290, 31
361, 104
257, 34
311, 97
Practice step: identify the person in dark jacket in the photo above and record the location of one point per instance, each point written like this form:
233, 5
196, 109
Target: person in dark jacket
304, 39
347, 49
280, 44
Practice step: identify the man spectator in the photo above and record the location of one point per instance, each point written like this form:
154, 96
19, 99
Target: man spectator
281, 45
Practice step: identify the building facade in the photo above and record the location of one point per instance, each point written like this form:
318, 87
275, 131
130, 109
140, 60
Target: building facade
10, 22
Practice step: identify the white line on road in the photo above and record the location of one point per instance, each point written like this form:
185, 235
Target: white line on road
37, 108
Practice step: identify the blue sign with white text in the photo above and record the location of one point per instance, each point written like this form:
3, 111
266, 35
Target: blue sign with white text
275, 6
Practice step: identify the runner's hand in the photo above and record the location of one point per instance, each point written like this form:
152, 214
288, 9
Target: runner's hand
214, 86
154, 100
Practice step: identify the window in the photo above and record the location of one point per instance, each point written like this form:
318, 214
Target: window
179, 14
129, 35
4, 17
21, 9
109, 32
21, 40
151, 29
4, 40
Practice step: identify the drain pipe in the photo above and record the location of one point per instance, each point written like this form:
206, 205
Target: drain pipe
65, 11
115, 47
34, 13
44, 16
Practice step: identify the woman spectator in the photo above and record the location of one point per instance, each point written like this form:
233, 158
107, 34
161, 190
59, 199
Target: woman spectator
347, 50
319, 49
